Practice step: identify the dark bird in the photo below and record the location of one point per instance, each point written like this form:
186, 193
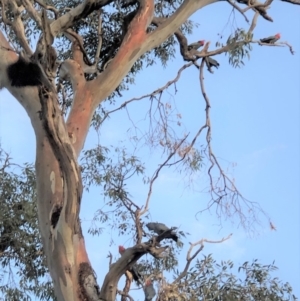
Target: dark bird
25, 72
211, 63
160, 228
149, 290
271, 39
137, 277
196, 45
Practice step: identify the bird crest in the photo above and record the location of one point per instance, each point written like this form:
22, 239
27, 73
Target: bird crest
121, 249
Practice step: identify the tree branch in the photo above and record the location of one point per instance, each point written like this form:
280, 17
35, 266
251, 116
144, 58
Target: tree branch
156, 173
297, 2
238, 9
124, 294
190, 258
219, 192
77, 13
182, 40
33, 13
48, 7
17, 24
137, 42
152, 94
117, 269
253, 23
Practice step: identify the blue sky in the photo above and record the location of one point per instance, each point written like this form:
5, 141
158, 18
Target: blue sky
255, 134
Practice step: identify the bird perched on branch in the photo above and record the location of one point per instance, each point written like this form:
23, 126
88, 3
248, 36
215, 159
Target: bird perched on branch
260, 7
196, 45
137, 277
160, 228
271, 39
211, 63
149, 290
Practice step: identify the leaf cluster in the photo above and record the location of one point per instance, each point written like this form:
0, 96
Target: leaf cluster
239, 47
24, 269
111, 169
24, 273
212, 281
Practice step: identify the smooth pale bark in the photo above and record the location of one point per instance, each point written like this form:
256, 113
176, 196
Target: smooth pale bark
59, 188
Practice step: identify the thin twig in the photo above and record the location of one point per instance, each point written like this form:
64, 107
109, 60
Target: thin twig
99, 46
156, 173
152, 94
278, 44
238, 9
110, 258
190, 258
123, 294
48, 7
228, 185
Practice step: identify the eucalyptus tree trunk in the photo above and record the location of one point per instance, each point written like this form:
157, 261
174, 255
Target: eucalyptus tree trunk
59, 143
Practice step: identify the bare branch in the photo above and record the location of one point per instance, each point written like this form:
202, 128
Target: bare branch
83, 59
289, 46
259, 7
124, 294
33, 13
110, 258
18, 26
278, 44
156, 173
152, 94
253, 23
213, 241
227, 187
99, 46
126, 289
48, 7
77, 13
190, 258
297, 2
238, 9
138, 225
125, 262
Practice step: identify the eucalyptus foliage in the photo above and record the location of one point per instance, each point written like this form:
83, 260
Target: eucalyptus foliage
24, 273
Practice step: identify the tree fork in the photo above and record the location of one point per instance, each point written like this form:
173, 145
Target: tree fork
117, 269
